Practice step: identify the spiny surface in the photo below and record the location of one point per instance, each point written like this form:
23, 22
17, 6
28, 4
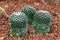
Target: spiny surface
30, 12
41, 22
18, 22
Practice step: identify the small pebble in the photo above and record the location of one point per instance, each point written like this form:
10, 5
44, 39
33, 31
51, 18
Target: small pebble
36, 4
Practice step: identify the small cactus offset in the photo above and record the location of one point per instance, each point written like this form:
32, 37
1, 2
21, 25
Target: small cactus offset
18, 23
41, 22
29, 11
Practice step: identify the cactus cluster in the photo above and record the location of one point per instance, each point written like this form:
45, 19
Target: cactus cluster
40, 21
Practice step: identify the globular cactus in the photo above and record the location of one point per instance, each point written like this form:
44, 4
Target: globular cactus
29, 11
18, 23
41, 22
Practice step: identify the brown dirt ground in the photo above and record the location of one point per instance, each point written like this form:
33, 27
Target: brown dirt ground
15, 5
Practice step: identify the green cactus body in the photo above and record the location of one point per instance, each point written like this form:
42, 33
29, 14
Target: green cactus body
29, 11
18, 23
41, 22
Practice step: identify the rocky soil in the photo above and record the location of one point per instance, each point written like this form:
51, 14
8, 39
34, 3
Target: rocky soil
11, 6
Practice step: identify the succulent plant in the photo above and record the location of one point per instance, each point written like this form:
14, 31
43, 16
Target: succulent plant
41, 22
18, 23
30, 12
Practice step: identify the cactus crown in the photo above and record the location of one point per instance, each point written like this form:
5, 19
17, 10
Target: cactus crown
42, 17
29, 11
18, 23
42, 21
